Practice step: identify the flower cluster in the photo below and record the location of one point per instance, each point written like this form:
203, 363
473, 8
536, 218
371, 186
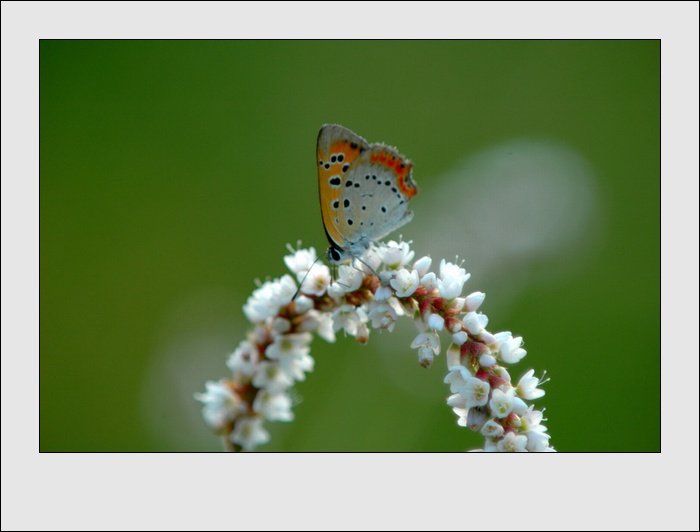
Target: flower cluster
373, 292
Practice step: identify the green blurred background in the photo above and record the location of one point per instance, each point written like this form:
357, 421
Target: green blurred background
173, 174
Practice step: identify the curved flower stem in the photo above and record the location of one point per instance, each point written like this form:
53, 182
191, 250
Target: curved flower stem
389, 285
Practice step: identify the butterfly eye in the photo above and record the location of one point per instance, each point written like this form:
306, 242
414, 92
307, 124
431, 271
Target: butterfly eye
334, 254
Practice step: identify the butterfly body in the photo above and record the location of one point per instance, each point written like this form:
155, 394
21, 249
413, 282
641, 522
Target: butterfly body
364, 191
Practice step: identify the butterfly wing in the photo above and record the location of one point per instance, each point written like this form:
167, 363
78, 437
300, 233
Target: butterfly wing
337, 149
376, 201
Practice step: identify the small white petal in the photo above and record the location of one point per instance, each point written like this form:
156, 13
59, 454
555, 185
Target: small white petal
457, 401
281, 325
512, 443
473, 323
527, 386
349, 278
487, 337
491, 429
456, 305
405, 282
502, 402
436, 322
513, 357
249, 433
303, 304
457, 378
476, 419
422, 265
271, 377
429, 281
474, 301
274, 406
383, 293
487, 360
244, 359
453, 356
300, 261
425, 356
475, 391
519, 407
460, 337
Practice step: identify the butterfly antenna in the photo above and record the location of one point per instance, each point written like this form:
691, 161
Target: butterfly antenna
368, 266
305, 276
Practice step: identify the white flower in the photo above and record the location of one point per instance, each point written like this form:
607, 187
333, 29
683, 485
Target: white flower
270, 377
266, 301
300, 261
317, 281
303, 304
457, 401
502, 372
318, 322
429, 281
537, 439
244, 359
452, 279
371, 261
292, 352
487, 338
362, 333
221, 404
425, 356
489, 446
487, 360
462, 414
449, 269
382, 315
532, 418
348, 318
519, 407
491, 429
499, 338
512, 443
405, 282
395, 255
476, 419
336, 291
459, 337
422, 265
511, 352
455, 305
457, 377
527, 386
475, 323
475, 391
261, 335
281, 325
428, 339
325, 326
274, 406
474, 301
383, 293
436, 322
249, 433
453, 356
502, 402
288, 345
449, 288
349, 278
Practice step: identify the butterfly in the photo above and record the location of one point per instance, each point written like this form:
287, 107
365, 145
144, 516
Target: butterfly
364, 190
